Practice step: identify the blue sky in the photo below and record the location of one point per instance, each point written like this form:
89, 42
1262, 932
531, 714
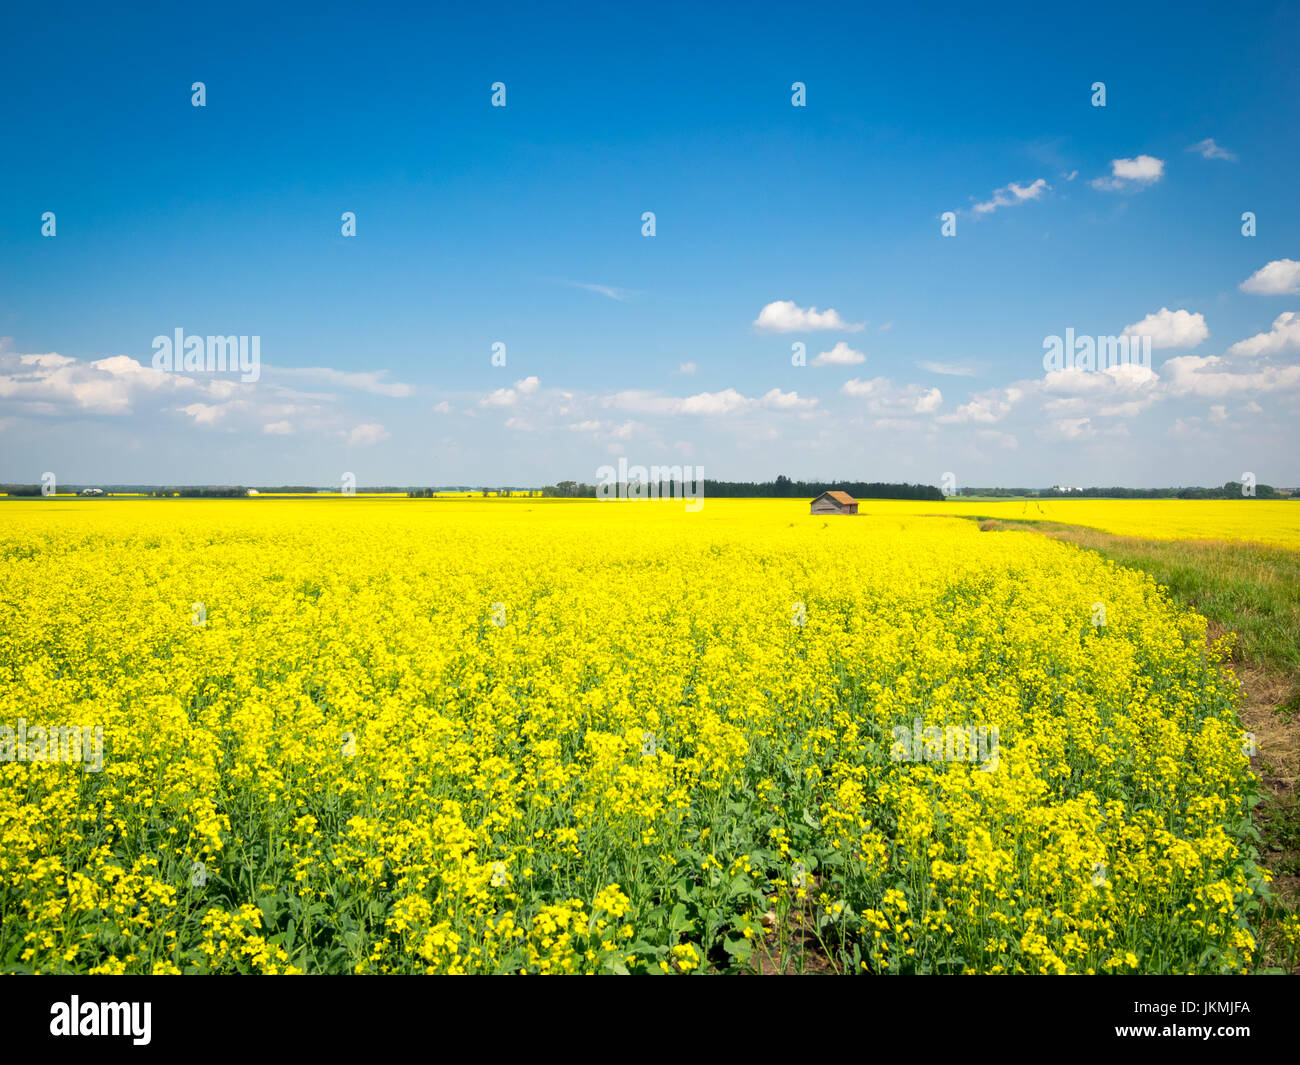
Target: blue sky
523, 225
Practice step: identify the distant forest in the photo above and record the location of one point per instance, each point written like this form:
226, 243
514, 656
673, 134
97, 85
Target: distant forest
1231, 490
782, 488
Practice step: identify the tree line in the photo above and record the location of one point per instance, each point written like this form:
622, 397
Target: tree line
780, 488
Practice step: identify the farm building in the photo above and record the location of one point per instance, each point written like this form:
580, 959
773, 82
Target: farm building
834, 503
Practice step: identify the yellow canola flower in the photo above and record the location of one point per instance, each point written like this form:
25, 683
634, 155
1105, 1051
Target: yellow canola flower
545, 736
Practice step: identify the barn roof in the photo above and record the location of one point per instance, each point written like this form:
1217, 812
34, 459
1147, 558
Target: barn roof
841, 497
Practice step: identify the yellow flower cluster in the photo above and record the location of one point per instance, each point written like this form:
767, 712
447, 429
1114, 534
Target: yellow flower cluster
461, 736
1275, 522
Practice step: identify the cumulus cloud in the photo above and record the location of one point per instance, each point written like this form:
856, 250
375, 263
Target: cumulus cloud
785, 316
52, 385
1126, 377
1278, 278
986, 407
687, 368
1284, 336
1131, 173
840, 355
779, 400
1211, 377
885, 398
500, 397
1012, 194
528, 385
205, 413
48, 383
726, 402
1170, 329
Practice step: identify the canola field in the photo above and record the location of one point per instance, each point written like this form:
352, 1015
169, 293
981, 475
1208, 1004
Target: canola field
1273, 522
535, 736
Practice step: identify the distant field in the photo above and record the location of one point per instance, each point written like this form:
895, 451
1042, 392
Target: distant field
1264, 521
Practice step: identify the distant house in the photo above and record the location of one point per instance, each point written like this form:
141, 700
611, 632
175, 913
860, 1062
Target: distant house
834, 503
92, 491
251, 492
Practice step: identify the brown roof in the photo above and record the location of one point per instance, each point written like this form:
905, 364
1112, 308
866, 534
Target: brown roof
842, 497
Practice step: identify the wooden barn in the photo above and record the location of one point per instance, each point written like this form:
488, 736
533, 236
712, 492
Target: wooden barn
834, 503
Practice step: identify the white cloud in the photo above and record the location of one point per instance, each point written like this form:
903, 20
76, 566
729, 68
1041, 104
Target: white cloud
1284, 336
49, 361
107, 386
277, 428
500, 397
1209, 150
1211, 377
365, 435
204, 413
1126, 377
1170, 329
443, 408
986, 407
1126, 173
528, 385
785, 316
887, 399
1012, 194
929, 401
687, 368
840, 355
1278, 278
728, 401
779, 400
